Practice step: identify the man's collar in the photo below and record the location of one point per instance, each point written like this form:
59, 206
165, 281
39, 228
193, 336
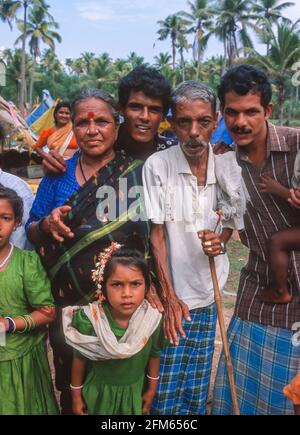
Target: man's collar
184, 167
275, 143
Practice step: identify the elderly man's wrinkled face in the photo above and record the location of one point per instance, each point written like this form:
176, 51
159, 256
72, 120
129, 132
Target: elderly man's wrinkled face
194, 122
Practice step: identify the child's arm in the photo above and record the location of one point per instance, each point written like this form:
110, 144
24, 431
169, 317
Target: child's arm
40, 317
269, 185
152, 379
78, 375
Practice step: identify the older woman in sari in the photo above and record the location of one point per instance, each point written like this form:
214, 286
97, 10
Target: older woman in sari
77, 214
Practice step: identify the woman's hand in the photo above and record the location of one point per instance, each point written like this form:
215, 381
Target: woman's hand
78, 405
148, 398
175, 310
55, 224
211, 243
153, 299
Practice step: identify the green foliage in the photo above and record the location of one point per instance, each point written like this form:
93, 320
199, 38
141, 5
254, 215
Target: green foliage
188, 30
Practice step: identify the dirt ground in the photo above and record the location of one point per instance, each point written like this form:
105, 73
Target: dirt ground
228, 307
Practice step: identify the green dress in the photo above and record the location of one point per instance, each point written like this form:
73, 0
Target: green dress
114, 387
25, 378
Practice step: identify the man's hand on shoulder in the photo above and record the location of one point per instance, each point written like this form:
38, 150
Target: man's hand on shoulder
221, 148
53, 163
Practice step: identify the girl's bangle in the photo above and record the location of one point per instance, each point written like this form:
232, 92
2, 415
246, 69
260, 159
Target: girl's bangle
11, 325
153, 379
76, 388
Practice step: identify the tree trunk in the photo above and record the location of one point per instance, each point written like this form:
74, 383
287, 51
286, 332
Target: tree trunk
199, 50
235, 45
230, 49
198, 62
225, 57
173, 61
31, 84
23, 63
291, 106
182, 65
281, 97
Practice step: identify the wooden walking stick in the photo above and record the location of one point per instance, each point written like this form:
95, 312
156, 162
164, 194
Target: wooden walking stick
218, 300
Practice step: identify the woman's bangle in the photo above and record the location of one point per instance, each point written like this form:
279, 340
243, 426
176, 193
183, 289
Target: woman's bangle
11, 325
153, 379
39, 225
76, 388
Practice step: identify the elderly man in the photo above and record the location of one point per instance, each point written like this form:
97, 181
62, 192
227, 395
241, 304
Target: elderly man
181, 198
264, 354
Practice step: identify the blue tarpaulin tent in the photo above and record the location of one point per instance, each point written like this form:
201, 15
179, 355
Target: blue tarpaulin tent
41, 109
221, 134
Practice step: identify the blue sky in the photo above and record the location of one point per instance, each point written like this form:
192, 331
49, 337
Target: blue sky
114, 26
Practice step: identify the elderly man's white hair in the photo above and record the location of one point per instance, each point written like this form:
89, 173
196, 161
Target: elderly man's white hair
192, 90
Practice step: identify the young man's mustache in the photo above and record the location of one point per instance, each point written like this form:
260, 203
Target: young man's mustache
239, 130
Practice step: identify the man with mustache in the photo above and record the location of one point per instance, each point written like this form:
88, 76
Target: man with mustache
181, 198
260, 334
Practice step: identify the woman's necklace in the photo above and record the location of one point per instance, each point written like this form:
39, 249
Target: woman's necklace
8, 256
81, 170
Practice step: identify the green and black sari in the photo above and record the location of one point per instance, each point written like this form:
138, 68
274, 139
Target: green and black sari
69, 264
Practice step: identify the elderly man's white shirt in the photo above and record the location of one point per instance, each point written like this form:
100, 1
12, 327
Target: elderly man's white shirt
173, 198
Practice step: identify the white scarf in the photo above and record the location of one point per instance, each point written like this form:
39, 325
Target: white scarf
105, 345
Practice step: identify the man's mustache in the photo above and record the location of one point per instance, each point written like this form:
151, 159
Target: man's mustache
238, 130
195, 143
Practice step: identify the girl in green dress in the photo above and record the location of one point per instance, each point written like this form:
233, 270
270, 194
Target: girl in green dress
26, 306
115, 341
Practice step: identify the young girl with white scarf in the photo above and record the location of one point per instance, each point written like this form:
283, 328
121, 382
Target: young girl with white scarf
117, 339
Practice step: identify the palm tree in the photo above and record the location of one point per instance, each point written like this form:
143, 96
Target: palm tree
172, 27
102, 69
182, 46
50, 64
14, 62
269, 12
39, 30
162, 60
9, 11
88, 59
284, 52
200, 19
135, 60
233, 18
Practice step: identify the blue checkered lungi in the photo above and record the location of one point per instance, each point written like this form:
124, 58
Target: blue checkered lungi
264, 361
185, 369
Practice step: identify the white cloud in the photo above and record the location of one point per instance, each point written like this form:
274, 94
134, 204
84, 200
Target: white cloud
130, 10
93, 11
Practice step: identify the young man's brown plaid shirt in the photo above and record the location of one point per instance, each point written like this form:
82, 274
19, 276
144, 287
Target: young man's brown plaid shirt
265, 215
